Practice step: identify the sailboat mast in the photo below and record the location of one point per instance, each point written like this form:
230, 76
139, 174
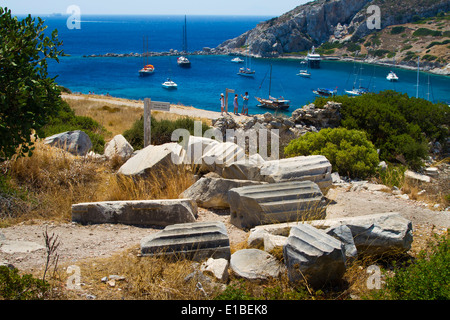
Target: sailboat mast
270, 80
185, 34
417, 89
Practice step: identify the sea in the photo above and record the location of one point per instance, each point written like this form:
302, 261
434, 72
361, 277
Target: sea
210, 75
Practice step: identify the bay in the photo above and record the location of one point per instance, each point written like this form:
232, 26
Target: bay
201, 85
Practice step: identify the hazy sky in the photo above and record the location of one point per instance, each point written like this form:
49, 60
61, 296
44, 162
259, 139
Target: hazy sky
188, 7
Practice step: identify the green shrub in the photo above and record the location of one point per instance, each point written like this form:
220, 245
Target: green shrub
352, 47
66, 120
349, 151
422, 32
398, 125
161, 131
426, 278
16, 287
397, 29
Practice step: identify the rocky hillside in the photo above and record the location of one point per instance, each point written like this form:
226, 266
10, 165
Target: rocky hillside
321, 21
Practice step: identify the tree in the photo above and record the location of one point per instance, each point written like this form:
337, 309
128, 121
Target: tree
28, 96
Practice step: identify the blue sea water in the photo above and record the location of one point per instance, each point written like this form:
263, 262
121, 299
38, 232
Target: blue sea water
201, 85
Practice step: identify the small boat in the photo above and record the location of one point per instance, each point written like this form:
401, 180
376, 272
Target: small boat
271, 102
169, 84
247, 72
147, 70
323, 92
304, 73
274, 103
392, 76
183, 61
237, 60
357, 91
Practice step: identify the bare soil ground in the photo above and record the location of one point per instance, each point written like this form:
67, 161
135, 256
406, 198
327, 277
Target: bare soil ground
78, 242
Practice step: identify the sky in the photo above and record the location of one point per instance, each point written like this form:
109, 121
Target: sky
183, 7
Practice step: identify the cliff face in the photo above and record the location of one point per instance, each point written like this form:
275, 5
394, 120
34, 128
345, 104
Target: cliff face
319, 21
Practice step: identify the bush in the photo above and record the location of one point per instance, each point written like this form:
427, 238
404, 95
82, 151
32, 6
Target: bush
422, 32
349, 151
426, 278
161, 131
397, 29
16, 287
398, 125
66, 120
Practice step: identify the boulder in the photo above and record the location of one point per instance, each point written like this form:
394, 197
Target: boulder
218, 156
372, 234
216, 267
197, 241
76, 142
302, 168
275, 202
211, 192
272, 242
254, 264
118, 147
313, 255
377, 233
139, 213
344, 234
153, 158
245, 169
196, 147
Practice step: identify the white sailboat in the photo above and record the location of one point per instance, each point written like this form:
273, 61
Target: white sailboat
357, 91
184, 61
247, 70
304, 72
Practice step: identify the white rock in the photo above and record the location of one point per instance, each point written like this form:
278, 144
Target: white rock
118, 146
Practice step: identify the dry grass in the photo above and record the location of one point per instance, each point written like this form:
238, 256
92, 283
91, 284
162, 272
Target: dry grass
116, 117
54, 180
146, 278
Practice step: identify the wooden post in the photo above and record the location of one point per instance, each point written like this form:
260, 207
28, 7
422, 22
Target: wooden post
147, 122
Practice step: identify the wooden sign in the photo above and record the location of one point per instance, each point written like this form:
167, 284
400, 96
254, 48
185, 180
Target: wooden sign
150, 105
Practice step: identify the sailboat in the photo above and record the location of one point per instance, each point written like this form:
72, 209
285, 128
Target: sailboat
325, 92
271, 102
184, 61
147, 69
304, 72
357, 91
247, 70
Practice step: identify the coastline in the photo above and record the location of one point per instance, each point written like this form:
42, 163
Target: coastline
444, 71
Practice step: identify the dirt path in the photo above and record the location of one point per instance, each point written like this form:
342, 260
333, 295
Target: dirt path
79, 242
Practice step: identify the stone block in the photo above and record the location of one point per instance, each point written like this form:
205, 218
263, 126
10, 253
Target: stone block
139, 213
197, 241
275, 202
313, 255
